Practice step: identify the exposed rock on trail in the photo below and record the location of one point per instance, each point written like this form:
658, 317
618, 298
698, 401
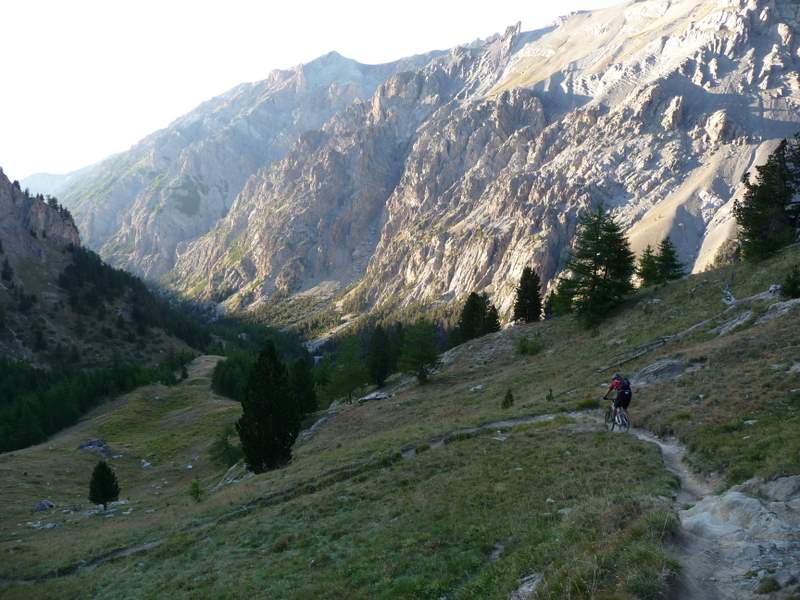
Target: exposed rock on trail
755, 530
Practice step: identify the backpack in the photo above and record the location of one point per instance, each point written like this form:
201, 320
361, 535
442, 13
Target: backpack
625, 385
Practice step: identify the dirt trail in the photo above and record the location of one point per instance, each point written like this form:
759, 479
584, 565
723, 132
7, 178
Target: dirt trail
697, 556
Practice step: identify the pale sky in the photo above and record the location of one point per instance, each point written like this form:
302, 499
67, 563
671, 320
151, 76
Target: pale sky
83, 79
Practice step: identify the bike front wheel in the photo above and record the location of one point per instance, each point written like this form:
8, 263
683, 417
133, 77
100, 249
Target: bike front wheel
610, 419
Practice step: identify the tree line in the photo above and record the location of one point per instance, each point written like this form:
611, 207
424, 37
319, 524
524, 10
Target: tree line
90, 284
768, 214
36, 403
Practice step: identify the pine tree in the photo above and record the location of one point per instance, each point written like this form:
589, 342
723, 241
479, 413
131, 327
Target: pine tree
379, 359
528, 303
648, 267
491, 322
350, 372
420, 354
601, 265
478, 317
766, 215
7, 273
790, 288
560, 300
301, 384
103, 488
508, 399
668, 266
471, 320
270, 418
397, 336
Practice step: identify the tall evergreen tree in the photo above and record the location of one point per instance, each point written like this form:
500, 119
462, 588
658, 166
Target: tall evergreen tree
478, 317
601, 265
350, 372
491, 322
270, 418
528, 302
396, 340
473, 315
103, 487
301, 385
560, 299
420, 353
766, 215
7, 272
378, 357
668, 266
648, 267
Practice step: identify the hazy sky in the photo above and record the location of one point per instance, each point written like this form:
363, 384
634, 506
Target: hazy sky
83, 79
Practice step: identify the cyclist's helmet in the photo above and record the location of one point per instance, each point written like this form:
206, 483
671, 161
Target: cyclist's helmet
617, 376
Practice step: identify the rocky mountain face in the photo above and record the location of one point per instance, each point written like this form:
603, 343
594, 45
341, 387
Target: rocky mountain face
457, 173
56, 315
35, 239
137, 207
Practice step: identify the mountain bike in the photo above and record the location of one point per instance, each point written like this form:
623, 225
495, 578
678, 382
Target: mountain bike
620, 420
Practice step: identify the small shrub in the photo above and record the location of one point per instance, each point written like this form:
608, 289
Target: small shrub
589, 404
222, 451
196, 491
790, 288
529, 346
508, 399
768, 585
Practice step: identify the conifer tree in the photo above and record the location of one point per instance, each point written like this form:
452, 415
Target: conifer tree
648, 267
560, 300
270, 418
528, 302
396, 340
790, 288
766, 215
471, 320
478, 317
508, 399
420, 354
491, 322
379, 359
668, 266
601, 265
301, 385
7, 272
350, 372
103, 488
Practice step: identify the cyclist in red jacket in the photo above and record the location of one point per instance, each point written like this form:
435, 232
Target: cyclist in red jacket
622, 386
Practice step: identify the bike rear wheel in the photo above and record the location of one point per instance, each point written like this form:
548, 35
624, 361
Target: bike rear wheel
624, 422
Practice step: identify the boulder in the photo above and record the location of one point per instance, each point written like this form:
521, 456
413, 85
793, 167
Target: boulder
663, 369
98, 446
527, 587
778, 309
44, 505
734, 323
374, 396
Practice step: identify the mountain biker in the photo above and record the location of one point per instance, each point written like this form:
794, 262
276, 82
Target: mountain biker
622, 386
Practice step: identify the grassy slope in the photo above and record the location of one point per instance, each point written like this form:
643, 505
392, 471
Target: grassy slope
387, 527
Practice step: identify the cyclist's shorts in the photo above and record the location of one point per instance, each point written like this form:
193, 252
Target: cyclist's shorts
623, 399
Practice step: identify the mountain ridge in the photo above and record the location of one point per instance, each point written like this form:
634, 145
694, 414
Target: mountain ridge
452, 176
